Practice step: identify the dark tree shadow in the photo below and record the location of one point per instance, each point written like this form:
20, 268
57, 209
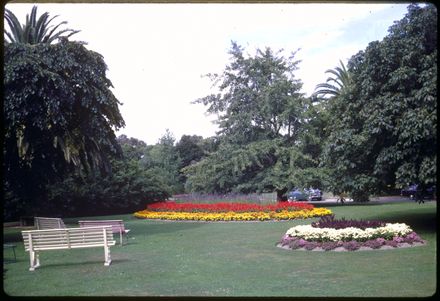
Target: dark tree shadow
418, 221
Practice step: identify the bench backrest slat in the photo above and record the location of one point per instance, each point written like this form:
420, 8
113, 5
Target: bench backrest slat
42, 223
117, 225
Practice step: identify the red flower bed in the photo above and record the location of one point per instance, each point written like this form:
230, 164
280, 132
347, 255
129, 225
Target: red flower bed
227, 207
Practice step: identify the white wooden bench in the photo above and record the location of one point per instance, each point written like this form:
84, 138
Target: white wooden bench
42, 223
68, 238
117, 226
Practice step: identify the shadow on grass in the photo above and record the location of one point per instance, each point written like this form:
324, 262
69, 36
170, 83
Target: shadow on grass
12, 236
418, 221
418, 217
79, 263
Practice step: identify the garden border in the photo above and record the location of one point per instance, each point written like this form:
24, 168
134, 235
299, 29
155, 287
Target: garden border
342, 249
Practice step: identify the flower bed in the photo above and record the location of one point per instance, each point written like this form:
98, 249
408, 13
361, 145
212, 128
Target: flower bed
230, 211
342, 235
227, 207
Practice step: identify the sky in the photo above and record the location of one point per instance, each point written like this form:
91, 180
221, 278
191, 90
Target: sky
158, 53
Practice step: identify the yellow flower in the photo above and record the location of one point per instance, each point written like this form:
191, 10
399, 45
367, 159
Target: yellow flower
233, 216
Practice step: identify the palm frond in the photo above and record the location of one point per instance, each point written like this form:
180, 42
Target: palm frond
14, 26
40, 27
327, 91
339, 79
35, 30
336, 81
11, 38
58, 34
334, 72
47, 37
33, 18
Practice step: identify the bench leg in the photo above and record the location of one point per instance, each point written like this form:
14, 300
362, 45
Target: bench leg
31, 258
34, 260
108, 259
15, 256
37, 255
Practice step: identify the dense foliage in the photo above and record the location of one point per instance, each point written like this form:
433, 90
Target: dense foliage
128, 188
383, 128
262, 117
59, 116
330, 222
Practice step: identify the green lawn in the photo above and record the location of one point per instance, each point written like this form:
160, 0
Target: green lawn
232, 259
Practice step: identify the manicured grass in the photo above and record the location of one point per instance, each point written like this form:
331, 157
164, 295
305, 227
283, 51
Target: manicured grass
233, 259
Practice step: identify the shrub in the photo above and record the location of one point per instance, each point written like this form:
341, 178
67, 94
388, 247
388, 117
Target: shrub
351, 245
374, 243
310, 245
329, 221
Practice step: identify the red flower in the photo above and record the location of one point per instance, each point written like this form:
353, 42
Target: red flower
226, 207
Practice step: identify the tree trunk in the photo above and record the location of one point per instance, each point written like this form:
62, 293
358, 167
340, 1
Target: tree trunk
281, 195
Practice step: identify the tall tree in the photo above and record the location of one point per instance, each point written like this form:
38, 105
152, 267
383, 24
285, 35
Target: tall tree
261, 119
59, 115
386, 130
35, 30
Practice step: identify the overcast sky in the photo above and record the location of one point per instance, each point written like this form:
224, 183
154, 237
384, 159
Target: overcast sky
157, 53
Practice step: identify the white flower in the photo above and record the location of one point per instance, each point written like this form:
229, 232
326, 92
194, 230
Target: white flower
350, 233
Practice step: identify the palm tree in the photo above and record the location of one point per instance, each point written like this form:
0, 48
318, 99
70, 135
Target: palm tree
333, 85
35, 30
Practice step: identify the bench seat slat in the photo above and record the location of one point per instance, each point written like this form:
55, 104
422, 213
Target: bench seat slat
37, 241
64, 236
75, 242
65, 247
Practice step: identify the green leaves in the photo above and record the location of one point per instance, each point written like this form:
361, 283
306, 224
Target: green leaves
384, 130
59, 114
257, 96
266, 142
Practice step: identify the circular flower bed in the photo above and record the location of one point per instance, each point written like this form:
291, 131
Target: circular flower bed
331, 234
230, 211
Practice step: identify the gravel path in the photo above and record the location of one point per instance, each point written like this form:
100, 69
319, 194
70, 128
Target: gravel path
379, 200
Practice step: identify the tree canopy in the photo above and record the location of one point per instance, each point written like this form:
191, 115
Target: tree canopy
258, 96
387, 128
262, 123
59, 115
